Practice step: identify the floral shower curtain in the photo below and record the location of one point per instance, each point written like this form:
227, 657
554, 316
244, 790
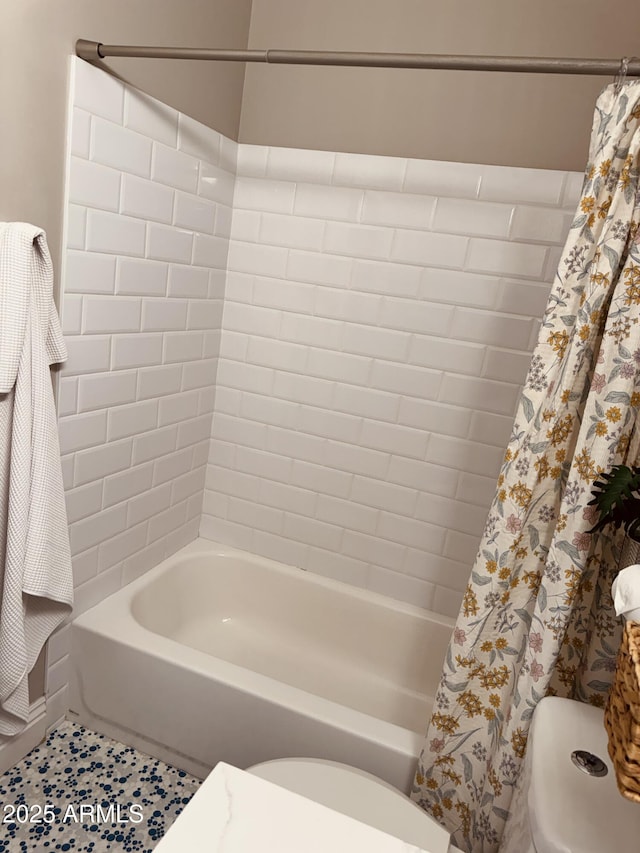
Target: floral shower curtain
537, 614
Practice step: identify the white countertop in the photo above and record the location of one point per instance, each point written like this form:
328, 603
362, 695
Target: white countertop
236, 812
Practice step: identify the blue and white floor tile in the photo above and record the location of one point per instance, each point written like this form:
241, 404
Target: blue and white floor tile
81, 791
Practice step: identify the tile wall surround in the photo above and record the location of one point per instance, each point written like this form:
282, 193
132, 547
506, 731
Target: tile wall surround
379, 319
147, 235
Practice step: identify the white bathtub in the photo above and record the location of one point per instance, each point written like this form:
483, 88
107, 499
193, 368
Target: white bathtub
219, 655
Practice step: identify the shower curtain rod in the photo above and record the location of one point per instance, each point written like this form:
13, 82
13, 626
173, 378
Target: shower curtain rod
94, 51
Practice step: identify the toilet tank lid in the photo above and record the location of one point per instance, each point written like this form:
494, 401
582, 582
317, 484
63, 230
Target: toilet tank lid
568, 809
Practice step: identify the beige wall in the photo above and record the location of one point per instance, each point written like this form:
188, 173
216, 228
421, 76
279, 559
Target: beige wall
487, 118
521, 120
36, 38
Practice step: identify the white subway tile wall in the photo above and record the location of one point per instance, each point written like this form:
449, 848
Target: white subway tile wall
378, 318
378, 323
149, 207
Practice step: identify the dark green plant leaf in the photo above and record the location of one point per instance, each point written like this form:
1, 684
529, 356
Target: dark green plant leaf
616, 496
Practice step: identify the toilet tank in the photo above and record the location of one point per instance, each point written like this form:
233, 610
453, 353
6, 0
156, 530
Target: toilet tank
557, 806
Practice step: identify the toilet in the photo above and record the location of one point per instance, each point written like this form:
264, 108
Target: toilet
566, 797
561, 802
359, 795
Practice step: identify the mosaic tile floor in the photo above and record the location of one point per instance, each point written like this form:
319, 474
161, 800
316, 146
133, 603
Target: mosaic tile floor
81, 791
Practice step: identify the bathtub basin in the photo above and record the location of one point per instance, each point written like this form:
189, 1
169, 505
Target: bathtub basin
219, 655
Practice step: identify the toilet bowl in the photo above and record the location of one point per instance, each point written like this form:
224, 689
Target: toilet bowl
566, 797
359, 795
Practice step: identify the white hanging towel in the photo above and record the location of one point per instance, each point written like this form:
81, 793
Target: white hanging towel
36, 586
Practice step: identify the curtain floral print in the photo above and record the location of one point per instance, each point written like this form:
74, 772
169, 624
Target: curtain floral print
537, 614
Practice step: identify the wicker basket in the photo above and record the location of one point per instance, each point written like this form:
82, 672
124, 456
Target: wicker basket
622, 714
